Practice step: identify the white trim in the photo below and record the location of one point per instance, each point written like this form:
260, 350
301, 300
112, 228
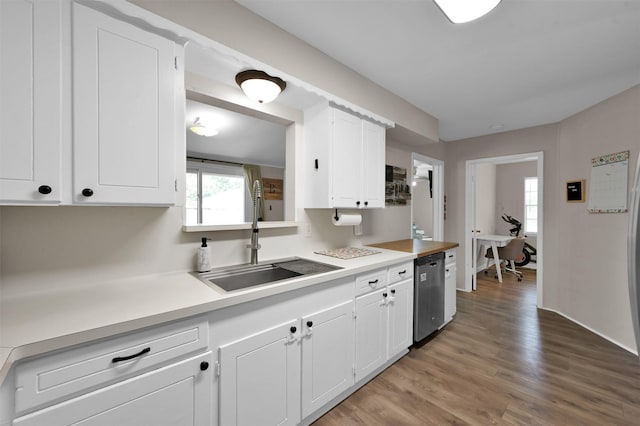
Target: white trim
438, 193
615, 342
261, 225
469, 212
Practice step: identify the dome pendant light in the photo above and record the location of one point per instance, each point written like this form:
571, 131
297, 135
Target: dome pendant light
260, 86
461, 11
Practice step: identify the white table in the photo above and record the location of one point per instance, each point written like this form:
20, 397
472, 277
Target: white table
494, 241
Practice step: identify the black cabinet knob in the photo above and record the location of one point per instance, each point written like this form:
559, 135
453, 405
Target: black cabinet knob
87, 192
366, 203
44, 189
309, 323
293, 329
204, 365
384, 294
393, 291
357, 203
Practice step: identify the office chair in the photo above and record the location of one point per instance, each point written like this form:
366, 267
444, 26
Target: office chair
509, 254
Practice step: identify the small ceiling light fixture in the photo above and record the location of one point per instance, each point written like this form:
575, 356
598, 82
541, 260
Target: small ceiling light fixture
260, 86
461, 11
201, 130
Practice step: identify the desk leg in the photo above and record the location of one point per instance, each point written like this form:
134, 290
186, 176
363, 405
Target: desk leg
496, 259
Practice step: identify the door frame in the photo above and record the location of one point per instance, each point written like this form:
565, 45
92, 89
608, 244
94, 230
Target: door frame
438, 194
470, 213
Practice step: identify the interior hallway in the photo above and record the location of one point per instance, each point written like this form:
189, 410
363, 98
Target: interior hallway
502, 361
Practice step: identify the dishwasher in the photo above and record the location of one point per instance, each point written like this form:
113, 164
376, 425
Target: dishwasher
428, 309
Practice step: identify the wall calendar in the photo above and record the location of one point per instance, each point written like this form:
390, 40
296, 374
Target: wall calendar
609, 179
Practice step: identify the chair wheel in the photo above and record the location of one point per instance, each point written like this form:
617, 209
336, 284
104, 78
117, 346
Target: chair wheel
519, 279
486, 272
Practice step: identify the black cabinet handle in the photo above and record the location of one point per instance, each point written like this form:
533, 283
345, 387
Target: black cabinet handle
309, 324
44, 189
316, 161
402, 272
87, 192
204, 365
373, 282
293, 329
126, 358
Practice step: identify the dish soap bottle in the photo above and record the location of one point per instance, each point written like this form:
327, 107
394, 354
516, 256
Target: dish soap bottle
204, 264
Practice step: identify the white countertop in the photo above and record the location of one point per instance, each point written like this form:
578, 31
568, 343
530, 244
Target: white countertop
35, 323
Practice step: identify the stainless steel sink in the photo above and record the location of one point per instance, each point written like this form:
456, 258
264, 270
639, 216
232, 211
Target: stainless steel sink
245, 276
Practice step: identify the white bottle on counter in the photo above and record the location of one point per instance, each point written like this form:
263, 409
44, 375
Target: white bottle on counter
204, 264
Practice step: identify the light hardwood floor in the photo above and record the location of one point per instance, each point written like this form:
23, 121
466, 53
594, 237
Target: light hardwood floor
501, 361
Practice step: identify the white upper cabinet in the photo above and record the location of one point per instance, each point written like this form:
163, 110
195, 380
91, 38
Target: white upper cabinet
344, 160
30, 84
124, 81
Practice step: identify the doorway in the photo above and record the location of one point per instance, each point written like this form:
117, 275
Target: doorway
427, 198
472, 171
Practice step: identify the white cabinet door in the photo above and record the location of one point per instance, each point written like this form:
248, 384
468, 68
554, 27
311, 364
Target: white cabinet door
327, 355
371, 332
346, 159
30, 85
260, 378
449, 291
400, 317
124, 115
373, 164
178, 394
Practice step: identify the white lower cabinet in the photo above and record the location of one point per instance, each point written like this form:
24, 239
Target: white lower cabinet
400, 307
371, 332
449, 285
260, 378
327, 355
384, 326
178, 394
282, 374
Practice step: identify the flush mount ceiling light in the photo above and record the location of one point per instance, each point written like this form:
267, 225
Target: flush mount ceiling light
260, 86
201, 130
461, 11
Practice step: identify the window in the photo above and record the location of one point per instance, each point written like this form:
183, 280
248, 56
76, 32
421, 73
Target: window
531, 205
215, 194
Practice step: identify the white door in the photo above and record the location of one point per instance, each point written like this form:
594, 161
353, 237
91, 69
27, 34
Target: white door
327, 355
124, 88
373, 155
260, 378
400, 305
178, 394
30, 85
346, 158
371, 332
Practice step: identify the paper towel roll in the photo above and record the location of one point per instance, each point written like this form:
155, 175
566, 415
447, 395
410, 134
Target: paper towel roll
346, 219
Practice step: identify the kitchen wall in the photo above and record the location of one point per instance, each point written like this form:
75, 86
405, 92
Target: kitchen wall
584, 254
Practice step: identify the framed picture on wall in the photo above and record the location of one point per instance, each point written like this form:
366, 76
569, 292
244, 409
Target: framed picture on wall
575, 191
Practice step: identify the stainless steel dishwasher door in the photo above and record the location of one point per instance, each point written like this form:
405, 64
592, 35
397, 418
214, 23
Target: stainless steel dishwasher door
428, 310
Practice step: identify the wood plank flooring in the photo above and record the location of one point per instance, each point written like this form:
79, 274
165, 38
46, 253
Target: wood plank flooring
501, 361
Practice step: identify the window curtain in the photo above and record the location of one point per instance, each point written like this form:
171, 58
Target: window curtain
251, 174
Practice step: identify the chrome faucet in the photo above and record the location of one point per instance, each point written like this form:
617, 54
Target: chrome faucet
254, 246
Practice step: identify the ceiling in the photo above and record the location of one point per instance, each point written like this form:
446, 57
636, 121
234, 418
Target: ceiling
527, 63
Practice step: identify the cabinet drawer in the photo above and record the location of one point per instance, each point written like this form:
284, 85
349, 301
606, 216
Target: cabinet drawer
371, 281
66, 373
450, 257
400, 272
